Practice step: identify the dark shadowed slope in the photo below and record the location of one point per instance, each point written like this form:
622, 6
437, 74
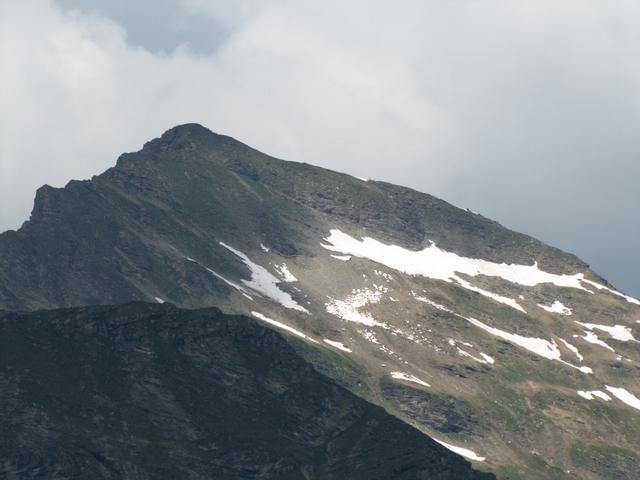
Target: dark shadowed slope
148, 392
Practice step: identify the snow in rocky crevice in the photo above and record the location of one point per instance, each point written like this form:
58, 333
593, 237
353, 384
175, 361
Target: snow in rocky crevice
465, 452
436, 263
283, 326
158, 299
225, 280
263, 282
556, 307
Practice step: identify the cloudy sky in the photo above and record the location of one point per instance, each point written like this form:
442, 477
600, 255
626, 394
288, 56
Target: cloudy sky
527, 112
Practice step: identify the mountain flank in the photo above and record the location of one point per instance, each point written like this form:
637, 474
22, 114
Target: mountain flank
144, 391
508, 351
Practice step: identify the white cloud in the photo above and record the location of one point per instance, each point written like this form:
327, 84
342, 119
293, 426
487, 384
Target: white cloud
477, 102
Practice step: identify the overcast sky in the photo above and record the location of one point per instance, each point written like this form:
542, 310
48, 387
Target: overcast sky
525, 111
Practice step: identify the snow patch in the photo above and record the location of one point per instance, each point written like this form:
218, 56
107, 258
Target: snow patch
436, 263
370, 336
384, 275
282, 326
338, 345
488, 359
590, 395
349, 309
625, 396
465, 452
556, 307
408, 378
617, 332
344, 258
158, 299
593, 338
264, 248
286, 275
263, 282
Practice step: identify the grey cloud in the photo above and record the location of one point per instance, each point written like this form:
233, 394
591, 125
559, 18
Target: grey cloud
527, 112
159, 25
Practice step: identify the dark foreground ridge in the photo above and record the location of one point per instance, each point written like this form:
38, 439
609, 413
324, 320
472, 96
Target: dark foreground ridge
152, 392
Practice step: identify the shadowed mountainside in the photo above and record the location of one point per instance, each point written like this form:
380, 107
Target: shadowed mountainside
146, 391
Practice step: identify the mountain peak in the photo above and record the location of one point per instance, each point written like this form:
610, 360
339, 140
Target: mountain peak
182, 137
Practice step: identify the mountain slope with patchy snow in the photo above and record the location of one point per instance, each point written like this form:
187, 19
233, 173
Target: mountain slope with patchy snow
487, 340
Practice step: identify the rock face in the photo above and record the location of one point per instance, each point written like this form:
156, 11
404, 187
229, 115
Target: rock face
150, 391
484, 339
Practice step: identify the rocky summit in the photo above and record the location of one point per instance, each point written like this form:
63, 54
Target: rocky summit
505, 350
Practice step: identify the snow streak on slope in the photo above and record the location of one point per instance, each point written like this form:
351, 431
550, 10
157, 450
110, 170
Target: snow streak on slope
433, 262
338, 345
539, 346
615, 292
573, 349
465, 452
408, 378
282, 326
486, 359
263, 282
225, 280
627, 397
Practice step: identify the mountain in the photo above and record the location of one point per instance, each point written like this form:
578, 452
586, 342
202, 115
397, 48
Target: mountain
145, 391
507, 350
